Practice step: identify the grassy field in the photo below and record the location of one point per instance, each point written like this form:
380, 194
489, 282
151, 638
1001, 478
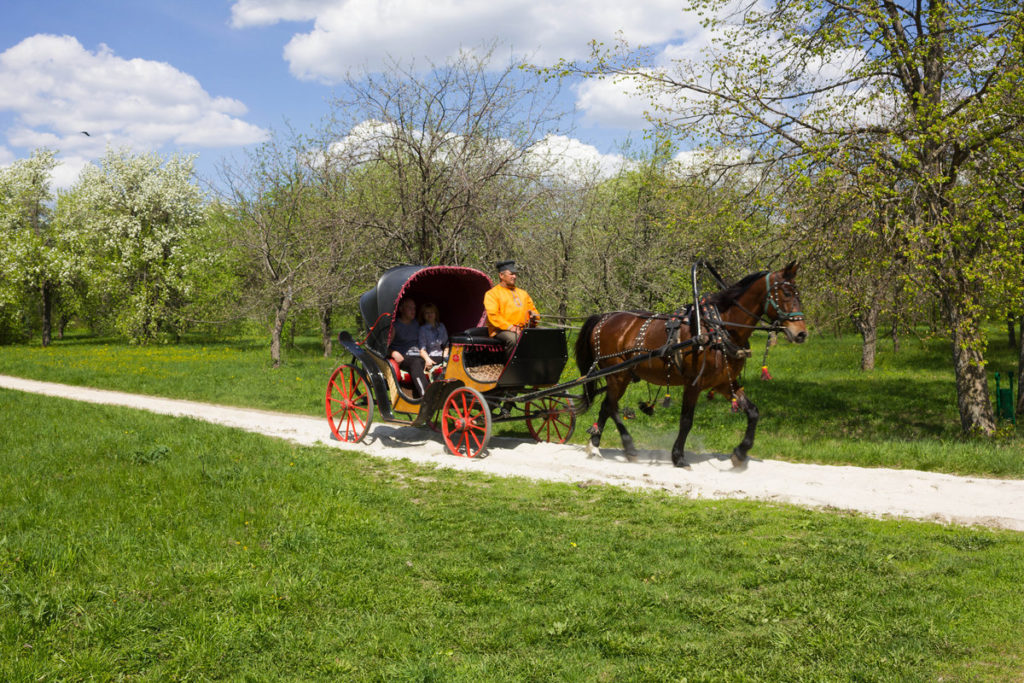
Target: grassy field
137, 546
820, 408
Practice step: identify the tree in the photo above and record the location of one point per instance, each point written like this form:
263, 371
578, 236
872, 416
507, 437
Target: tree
447, 149
919, 102
25, 198
139, 213
347, 259
36, 260
271, 198
553, 238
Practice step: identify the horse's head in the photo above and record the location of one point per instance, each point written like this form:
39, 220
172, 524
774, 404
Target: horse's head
782, 303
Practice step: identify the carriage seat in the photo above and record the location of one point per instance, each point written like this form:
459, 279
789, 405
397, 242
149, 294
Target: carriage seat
405, 378
478, 336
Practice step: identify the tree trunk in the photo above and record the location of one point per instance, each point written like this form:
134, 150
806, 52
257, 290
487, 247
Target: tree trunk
976, 414
1020, 370
47, 292
1011, 332
867, 324
325, 330
894, 331
277, 331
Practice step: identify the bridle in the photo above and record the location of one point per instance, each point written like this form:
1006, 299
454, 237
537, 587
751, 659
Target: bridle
781, 316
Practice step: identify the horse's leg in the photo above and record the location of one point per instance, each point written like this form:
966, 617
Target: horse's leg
627, 438
597, 428
685, 423
617, 385
739, 454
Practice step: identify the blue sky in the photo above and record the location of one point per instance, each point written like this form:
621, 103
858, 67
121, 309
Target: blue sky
209, 77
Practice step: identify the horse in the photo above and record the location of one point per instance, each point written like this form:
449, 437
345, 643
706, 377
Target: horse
713, 359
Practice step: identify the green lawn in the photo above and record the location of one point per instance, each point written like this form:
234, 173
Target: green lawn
137, 546
819, 408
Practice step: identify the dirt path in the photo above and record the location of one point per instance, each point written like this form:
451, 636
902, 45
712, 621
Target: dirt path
876, 492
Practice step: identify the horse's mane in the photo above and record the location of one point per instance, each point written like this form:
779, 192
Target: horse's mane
725, 298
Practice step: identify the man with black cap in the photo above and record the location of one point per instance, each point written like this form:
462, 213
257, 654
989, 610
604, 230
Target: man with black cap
509, 309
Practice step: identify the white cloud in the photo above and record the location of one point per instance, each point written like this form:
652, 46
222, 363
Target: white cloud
612, 102
557, 154
66, 173
6, 157
622, 101
571, 158
356, 33
266, 12
56, 89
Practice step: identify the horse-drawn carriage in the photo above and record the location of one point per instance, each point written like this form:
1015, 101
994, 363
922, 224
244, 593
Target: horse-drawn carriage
702, 347
477, 386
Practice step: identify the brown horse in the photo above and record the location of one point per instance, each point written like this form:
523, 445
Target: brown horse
713, 360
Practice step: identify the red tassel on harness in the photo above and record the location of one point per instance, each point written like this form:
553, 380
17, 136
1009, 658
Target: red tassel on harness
764, 373
735, 405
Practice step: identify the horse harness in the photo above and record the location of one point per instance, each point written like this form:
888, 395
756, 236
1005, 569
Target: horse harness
714, 336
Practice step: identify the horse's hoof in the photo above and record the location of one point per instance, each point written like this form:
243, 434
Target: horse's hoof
631, 457
739, 462
592, 450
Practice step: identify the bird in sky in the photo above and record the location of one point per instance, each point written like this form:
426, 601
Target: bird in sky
86, 133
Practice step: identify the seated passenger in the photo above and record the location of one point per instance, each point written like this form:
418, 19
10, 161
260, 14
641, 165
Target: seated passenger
509, 309
433, 340
404, 347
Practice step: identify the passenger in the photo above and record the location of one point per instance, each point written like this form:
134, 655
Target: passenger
509, 309
404, 348
433, 338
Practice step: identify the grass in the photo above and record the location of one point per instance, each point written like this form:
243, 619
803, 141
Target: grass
141, 546
820, 408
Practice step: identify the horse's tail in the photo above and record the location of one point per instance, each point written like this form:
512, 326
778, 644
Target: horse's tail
585, 359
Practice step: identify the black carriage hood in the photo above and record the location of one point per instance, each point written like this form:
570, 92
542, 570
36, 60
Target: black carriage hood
457, 291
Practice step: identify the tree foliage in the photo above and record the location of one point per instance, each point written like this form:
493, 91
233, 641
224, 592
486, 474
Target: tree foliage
139, 214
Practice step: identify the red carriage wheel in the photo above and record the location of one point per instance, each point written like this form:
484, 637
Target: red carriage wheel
550, 419
466, 422
349, 404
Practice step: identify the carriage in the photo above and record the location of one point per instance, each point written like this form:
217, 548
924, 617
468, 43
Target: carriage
475, 388
702, 346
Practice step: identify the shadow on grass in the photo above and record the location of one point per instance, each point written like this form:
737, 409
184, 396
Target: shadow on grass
872, 407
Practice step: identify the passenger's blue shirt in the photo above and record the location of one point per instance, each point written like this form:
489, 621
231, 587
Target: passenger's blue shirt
406, 338
433, 338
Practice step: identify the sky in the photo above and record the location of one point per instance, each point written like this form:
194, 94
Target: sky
211, 77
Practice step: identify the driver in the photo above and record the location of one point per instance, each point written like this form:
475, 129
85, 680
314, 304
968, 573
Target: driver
509, 308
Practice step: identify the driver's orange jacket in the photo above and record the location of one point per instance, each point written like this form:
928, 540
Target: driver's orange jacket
507, 307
